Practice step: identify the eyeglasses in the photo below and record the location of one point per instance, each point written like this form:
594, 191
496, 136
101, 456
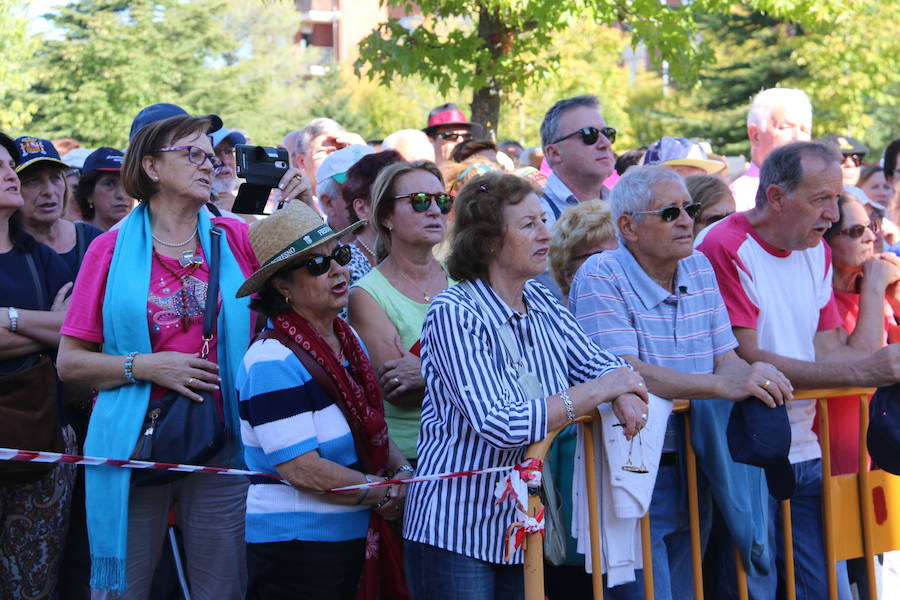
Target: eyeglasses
856, 159
589, 135
587, 255
856, 231
196, 156
421, 201
671, 213
456, 136
319, 264
713, 218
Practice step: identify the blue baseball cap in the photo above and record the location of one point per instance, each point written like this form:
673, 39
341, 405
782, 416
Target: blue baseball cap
103, 159
883, 437
232, 135
33, 150
761, 436
160, 111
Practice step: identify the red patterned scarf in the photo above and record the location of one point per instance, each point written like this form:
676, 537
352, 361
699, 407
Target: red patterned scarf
360, 400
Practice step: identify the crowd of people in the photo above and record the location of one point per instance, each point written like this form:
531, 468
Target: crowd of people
428, 303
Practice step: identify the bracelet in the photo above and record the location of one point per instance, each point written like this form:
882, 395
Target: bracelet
385, 500
570, 408
365, 490
405, 468
13, 315
129, 367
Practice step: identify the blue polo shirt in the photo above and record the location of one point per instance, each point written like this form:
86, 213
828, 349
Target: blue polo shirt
625, 312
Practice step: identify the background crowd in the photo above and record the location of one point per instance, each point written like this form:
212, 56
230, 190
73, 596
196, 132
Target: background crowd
434, 301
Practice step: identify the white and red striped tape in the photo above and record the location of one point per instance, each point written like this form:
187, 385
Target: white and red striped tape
74, 459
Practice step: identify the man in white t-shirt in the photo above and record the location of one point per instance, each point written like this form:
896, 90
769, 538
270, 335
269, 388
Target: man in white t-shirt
774, 272
777, 116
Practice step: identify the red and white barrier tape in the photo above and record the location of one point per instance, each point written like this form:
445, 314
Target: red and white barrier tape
55, 457
527, 474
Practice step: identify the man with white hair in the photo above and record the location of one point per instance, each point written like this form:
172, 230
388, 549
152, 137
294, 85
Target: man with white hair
777, 117
412, 144
317, 140
289, 143
331, 177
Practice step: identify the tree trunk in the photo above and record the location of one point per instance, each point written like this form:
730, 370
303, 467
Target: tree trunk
486, 100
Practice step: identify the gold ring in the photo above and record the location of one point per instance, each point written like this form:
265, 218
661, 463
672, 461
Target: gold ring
766, 384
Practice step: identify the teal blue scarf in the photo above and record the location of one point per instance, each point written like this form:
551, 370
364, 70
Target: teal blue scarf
116, 421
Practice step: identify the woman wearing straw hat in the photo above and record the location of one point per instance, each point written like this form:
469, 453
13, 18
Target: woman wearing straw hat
144, 301
311, 411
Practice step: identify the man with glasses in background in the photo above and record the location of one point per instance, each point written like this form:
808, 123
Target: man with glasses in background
578, 147
853, 152
447, 128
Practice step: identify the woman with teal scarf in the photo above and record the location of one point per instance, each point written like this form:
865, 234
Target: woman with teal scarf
134, 331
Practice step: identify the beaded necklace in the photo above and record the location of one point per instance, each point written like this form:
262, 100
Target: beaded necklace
182, 275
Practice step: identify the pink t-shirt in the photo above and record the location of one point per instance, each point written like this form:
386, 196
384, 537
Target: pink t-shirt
165, 308
785, 296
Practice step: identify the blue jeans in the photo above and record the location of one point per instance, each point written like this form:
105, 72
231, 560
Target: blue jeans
436, 574
808, 536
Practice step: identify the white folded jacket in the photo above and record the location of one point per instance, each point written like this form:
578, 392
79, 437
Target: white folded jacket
624, 495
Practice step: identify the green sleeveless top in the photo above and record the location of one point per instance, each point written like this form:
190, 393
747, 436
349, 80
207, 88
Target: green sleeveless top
408, 316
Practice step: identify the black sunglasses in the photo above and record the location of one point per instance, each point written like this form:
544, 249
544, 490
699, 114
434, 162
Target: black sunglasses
589, 135
670, 213
857, 231
586, 255
454, 135
422, 200
318, 264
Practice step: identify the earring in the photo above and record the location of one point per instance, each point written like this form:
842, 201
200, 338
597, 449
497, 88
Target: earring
287, 300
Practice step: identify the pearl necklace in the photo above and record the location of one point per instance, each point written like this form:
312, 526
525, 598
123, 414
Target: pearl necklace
365, 246
176, 245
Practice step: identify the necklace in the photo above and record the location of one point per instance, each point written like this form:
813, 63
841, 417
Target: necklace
175, 245
187, 271
365, 246
424, 292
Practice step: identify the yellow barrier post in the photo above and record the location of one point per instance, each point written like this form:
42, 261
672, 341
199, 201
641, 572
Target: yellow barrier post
743, 593
790, 583
827, 501
693, 509
647, 556
590, 462
865, 497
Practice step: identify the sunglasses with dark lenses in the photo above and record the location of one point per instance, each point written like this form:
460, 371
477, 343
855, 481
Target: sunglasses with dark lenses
590, 135
671, 213
714, 219
458, 136
856, 159
857, 231
318, 264
422, 200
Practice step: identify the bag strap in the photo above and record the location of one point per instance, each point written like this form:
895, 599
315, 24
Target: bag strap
212, 288
504, 331
80, 243
316, 371
35, 277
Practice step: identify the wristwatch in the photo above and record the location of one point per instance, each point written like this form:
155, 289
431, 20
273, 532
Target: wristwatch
13, 318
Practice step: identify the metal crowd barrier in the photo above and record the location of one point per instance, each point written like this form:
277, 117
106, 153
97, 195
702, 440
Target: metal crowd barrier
863, 528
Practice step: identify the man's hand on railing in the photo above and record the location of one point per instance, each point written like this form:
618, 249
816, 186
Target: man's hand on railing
759, 380
633, 412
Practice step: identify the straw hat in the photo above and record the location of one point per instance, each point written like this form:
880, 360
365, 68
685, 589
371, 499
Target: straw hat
282, 237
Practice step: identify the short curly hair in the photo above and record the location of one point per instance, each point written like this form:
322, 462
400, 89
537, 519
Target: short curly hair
479, 226
586, 224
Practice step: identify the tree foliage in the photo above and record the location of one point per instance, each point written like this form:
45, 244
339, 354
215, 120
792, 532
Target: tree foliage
117, 56
485, 45
17, 48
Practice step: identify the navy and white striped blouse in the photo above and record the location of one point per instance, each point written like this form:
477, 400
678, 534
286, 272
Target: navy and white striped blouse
475, 415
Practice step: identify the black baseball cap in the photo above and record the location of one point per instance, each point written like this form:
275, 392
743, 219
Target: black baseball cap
761, 436
883, 437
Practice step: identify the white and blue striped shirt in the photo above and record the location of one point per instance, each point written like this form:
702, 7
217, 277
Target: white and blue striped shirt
284, 414
475, 415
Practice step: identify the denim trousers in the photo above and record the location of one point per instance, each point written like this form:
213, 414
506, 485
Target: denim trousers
436, 574
808, 537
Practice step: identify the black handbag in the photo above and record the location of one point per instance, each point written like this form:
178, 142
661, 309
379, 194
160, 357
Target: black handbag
177, 429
